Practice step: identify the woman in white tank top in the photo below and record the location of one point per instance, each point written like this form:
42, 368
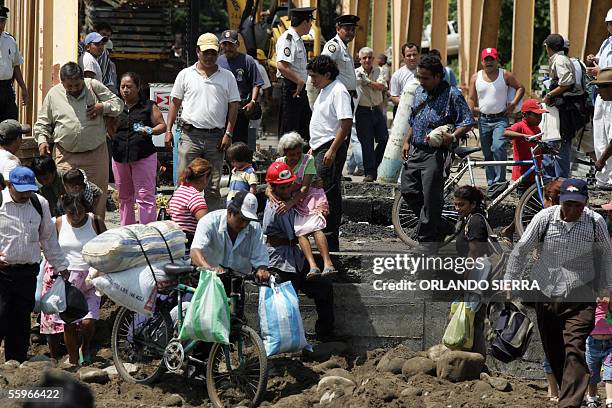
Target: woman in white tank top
75, 229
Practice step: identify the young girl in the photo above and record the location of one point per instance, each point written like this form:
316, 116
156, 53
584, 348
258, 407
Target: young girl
472, 242
598, 353
310, 203
74, 229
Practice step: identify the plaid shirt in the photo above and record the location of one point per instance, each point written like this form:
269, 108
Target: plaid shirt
566, 257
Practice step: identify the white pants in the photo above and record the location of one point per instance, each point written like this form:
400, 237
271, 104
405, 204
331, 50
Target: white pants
602, 135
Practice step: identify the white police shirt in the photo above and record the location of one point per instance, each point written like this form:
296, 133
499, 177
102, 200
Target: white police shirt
332, 105
10, 57
290, 48
338, 51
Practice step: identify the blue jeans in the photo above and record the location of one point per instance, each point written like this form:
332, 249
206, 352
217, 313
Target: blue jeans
371, 127
355, 162
493, 145
599, 352
559, 166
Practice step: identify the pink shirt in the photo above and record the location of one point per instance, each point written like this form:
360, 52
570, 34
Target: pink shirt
601, 326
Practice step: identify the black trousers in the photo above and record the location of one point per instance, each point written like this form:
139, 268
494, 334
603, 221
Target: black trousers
241, 130
422, 188
8, 106
332, 184
294, 112
318, 289
371, 127
564, 328
17, 290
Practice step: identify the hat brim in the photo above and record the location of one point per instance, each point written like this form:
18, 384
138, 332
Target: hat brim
579, 198
538, 111
22, 188
248, 215
603, 82
207, 47
289, 180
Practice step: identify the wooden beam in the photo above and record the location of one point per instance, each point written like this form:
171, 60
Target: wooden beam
379, 26
475, 21
398, 29
489, 29
414, 19
439, 27
522, 42
577, 27
596, 30
361, 35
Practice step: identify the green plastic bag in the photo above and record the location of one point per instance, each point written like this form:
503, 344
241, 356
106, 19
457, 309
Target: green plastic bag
208, 316
459, 334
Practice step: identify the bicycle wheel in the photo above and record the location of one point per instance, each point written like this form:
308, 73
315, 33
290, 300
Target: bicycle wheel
238, 371
406, 223
140, 340
528, 206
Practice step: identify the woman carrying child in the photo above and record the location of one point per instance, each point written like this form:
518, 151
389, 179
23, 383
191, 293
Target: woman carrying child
309, 201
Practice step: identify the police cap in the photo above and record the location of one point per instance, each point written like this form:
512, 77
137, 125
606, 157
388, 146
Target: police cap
347, 20
302, 13
4, 12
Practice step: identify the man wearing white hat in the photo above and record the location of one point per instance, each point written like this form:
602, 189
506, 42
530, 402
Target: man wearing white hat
601, 114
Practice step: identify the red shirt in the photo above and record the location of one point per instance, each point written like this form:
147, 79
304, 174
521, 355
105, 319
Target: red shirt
521, 148
185, 202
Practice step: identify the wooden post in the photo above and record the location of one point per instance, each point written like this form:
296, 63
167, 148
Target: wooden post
379, 26
489, 29
361, 35
522, 42
596, 30
398, 29
414, 29
439, 27
569, 18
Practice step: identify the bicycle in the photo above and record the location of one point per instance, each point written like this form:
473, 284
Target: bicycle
234, 372
406, 223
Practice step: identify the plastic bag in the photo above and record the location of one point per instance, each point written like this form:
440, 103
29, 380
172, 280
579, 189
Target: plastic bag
459, 334
280, 321
133, 289
39, 285
76, 305
54, 301
208, 316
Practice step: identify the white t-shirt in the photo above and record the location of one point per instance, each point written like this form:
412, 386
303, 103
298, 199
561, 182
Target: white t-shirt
8, 162
205, 99
10, 57
89, 63
332, 105
399, 79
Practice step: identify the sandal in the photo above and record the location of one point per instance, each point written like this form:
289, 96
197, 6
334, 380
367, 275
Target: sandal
313, 273
329, 271
84, 360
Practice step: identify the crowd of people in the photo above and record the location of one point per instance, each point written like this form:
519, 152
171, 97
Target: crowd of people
90, 123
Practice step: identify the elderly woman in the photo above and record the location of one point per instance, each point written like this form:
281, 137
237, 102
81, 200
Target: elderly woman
308, 200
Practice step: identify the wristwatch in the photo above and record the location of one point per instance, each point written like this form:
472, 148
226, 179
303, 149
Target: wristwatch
229, 134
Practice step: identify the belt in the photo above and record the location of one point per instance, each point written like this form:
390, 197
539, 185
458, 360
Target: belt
190, 128
278, 241
493, 115
368, 107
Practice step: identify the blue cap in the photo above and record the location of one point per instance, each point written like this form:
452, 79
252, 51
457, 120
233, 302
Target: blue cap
574, 190
22, 179
94, 38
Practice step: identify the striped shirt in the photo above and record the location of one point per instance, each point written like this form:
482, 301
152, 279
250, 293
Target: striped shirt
568, 252
184, 204
23, 233
241, 181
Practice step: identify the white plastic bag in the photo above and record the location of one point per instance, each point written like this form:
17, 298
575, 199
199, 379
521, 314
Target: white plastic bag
54, 301
280, 321
550, 124
39, 286
134, 289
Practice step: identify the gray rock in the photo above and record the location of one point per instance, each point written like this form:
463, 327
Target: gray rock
411, 392
173, 400
500, 384
329, 396
390, 364
389, 396
435, 352
457, 366
481, 387
129, 367
340, 372
41, 357
324, 351
93, 375
327, 365
419, 365
12, 364
335, 382
37, 365
484, 377
292, 401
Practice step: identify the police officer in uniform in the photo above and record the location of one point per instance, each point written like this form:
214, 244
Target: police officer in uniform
291, 60
10, 59
337, 50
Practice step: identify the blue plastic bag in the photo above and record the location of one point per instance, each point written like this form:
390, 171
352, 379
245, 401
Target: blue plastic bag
280, 321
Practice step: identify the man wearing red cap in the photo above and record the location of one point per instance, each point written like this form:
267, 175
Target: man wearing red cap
488, 97
287, 261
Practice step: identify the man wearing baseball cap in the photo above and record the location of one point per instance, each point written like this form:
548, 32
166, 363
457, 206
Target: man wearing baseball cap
25, 228
573, 267
10, 70
287, 261
94, 46
602, 115
209, 96
232, 238
11, 132
488, 97
249, 82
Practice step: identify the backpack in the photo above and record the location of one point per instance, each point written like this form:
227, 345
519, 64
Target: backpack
511, 333
35, 203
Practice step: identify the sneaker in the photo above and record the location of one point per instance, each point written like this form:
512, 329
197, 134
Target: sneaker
609, 405
358, 172
593, 403
368, 179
